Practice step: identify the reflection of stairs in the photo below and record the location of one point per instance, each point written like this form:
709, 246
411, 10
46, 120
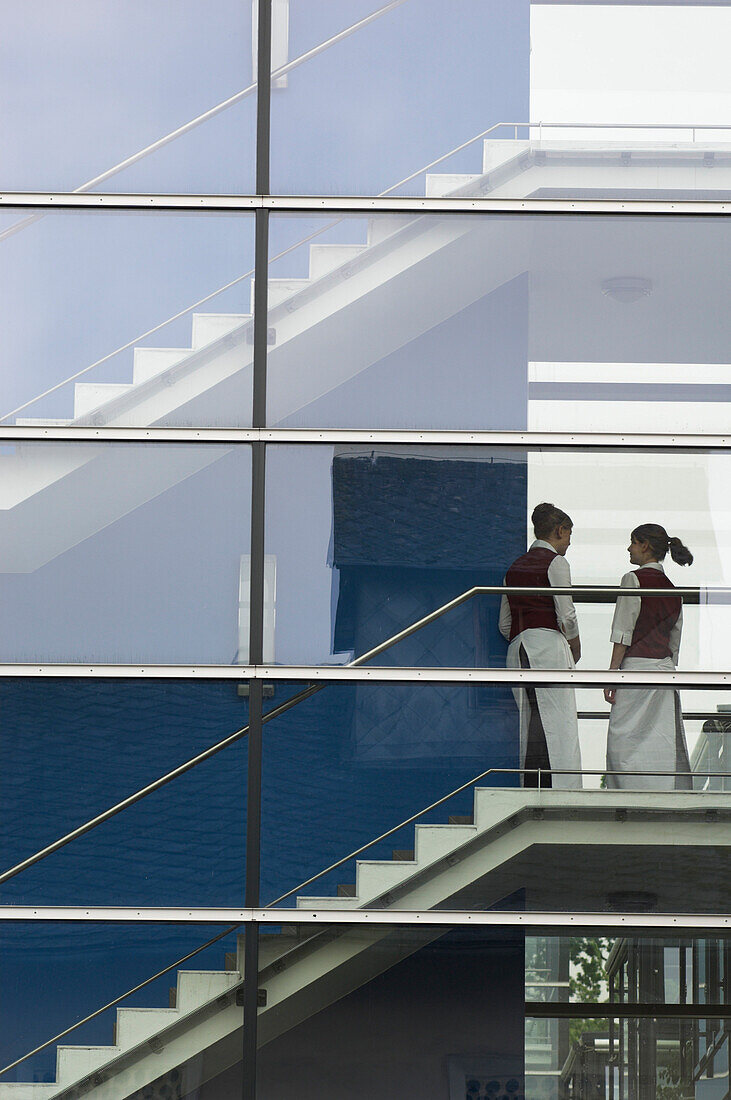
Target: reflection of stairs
451, 867
410, 272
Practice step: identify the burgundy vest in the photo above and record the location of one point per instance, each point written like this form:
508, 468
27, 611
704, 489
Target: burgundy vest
530, 611
658, 615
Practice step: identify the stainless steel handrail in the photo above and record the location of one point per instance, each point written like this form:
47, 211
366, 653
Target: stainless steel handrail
333, 867
312, 689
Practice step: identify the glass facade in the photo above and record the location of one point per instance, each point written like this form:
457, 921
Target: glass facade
306, 308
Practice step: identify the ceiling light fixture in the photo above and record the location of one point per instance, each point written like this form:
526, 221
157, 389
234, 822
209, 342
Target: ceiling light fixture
627, 288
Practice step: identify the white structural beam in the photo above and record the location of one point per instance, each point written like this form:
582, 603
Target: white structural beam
597, 678
598, 440
60, 200
446, 919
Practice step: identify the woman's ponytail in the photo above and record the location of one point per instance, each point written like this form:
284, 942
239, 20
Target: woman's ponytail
660, 543
680, 554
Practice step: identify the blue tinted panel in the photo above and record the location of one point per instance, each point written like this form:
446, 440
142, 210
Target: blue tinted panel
71, 749
92, 964
353, 762
126, 319
604, 324
88, 87
508, 100
115, 553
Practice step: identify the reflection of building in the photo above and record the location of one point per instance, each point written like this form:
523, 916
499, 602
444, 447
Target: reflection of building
640, 1055
409, 535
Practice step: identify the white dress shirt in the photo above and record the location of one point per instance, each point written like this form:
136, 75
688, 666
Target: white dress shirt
559, 576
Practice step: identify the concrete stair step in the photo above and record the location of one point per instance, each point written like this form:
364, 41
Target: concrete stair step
208, 327
346, 890
328, 902
461, 819
149, 362
496, 152
377, 876
325, 258
89, 396
403, 854
197, 987
39, 421
134, 1025
279, 290
383, 227
439, 184
433, 842
75, 1062
27, 1090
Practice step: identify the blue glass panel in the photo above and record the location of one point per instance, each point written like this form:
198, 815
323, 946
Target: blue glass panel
88, 87
591, 324
116, 554
80, 967
72, 749
346, 767
126, 318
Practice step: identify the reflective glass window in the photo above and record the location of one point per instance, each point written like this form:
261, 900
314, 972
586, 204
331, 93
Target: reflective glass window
73, 749
364, 540
121, 553
558, 323
88, 87
136, 1047
508, 100
435, 796
126, 318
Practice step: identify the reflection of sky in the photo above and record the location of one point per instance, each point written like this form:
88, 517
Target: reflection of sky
88, 84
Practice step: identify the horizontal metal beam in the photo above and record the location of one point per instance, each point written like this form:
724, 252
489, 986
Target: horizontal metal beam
623, 1010
326, 204
376, 674
702, 922
599, 441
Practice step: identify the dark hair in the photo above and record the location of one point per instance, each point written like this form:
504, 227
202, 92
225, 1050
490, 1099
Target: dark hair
660, 542
547, 517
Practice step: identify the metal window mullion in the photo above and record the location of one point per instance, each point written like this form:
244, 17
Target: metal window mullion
256, 578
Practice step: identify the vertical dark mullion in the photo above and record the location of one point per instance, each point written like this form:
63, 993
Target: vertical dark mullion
256, 588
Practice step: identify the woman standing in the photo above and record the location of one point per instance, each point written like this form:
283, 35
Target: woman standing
543, 633
646, 731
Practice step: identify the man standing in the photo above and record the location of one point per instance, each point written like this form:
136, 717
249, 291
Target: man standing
542, 632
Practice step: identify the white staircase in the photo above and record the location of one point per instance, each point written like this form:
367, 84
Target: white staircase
302, 971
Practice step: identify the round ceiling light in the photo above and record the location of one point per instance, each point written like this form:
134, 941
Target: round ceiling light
627, 288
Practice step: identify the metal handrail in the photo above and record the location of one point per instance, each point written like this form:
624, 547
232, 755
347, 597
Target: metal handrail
313, 689
334, 866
